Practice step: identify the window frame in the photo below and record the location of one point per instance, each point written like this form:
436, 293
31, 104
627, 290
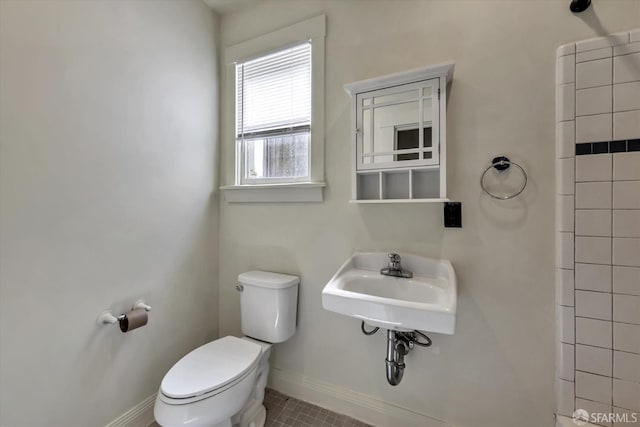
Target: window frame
309, 189
241, 153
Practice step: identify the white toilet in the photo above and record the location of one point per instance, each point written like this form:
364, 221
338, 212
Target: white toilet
221, 384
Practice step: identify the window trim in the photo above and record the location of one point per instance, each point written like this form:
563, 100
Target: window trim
313, 29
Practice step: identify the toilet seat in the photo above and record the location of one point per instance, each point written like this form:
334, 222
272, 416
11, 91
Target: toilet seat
209, 370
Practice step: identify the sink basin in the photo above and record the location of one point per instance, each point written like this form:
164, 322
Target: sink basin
426, 302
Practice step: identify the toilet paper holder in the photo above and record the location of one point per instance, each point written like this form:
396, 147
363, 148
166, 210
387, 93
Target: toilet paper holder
107, 317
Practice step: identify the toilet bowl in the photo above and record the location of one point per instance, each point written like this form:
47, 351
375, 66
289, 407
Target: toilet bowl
222, 383
214, 383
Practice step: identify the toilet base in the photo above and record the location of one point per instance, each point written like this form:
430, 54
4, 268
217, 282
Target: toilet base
254, 414
250, 415
258, 419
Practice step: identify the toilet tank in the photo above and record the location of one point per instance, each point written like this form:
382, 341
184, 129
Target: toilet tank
268, 305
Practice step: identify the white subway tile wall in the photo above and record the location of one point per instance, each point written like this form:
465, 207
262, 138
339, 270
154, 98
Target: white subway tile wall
595, 407
565, 213
626, 280
598, 224
626, 223
625, 366
597, 333
593, 277
625, 309
626, 394
593, 195
595, 100
592, 128
594, 387
601, 42
625, 66
594, 305
566, 139
626, 96
626, 125
593, 250
566, 102
564, 250
592, 55
594, 360
565, 397
597, 167
567, 329
626, 337
626, 49
626, 195
565, 362
625, 166
593, 222
566, 70
565, 176
565, 288
626, 252
593, 73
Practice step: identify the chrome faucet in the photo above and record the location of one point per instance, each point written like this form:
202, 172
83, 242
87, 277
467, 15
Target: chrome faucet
395, 268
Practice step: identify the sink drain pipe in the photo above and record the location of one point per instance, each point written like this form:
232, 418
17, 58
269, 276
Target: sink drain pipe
399, 344
396, 350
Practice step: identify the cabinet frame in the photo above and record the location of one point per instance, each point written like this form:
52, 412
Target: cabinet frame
396, 83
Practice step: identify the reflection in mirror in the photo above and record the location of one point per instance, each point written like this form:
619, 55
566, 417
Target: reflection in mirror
407, 139
385, 121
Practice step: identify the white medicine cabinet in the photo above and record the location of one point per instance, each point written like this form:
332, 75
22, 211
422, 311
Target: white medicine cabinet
399, 136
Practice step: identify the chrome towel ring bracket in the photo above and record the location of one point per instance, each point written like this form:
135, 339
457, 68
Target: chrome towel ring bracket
501, 164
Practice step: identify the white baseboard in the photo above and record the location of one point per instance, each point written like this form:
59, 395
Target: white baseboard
140, 415
368, 409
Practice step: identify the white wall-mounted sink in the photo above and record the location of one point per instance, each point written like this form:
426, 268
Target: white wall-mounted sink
426, 302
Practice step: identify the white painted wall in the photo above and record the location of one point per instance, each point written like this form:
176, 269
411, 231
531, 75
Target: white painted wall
498, 369
108, 136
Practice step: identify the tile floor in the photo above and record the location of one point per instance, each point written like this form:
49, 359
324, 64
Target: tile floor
285, 411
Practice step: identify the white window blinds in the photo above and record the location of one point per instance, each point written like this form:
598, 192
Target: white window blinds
273, 93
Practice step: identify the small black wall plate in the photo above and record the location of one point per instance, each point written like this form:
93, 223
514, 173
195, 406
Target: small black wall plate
453, 215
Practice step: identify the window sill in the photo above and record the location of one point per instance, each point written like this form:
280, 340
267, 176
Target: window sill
275, 193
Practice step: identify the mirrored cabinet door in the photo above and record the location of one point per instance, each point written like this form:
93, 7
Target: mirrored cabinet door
398, 126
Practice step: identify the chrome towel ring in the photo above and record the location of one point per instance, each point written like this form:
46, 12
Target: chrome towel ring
501, 164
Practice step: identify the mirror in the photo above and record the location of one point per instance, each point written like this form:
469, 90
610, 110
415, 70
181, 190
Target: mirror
396, 127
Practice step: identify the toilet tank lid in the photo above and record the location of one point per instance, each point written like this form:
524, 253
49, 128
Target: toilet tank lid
266, 279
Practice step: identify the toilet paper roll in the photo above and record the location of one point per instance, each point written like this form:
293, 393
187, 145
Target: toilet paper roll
134, 319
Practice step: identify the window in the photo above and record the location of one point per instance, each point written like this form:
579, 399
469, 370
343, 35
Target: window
275, 97
273, 116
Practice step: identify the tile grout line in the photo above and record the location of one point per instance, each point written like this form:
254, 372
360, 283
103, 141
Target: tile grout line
575, 169
611, 211
612, 175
